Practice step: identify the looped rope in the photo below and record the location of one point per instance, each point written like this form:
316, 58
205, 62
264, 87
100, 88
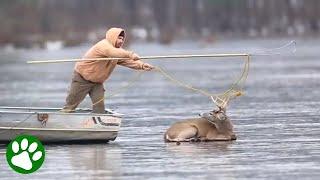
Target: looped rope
220, 100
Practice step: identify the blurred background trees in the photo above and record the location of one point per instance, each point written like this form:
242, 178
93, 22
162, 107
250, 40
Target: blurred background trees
28, 22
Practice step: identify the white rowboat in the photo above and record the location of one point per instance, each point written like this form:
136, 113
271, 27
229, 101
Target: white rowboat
50, 125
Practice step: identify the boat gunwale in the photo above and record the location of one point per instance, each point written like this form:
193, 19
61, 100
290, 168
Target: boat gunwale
33, 108
61, 113
58, 129
11, 110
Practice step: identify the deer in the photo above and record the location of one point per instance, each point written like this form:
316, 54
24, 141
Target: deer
212, 126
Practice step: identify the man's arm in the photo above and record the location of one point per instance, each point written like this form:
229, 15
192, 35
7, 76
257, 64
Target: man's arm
135, 64
118, 53
138, 65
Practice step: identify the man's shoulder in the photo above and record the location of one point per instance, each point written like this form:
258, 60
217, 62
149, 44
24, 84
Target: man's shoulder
103, 44
100, 49
103, 41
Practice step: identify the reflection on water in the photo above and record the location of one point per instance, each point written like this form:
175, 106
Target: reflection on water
276, 122
80, 161
191, 149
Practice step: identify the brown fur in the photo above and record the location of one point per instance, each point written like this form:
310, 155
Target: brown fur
201, 129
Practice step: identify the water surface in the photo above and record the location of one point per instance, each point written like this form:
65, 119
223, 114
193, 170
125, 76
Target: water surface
277, 121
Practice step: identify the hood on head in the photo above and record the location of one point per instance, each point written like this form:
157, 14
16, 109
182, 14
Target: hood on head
112, 35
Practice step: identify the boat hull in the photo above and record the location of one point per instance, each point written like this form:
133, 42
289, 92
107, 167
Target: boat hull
50, 125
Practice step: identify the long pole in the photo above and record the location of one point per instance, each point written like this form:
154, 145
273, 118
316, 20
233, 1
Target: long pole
142, 58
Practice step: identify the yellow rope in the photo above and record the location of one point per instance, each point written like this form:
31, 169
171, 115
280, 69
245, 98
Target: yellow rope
165, 74
221, 100
240, 82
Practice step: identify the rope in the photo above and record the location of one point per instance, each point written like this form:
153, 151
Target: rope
16, 125
287, 48
237, 85
220, 100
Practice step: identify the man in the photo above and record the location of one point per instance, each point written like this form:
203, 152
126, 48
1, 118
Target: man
88, 76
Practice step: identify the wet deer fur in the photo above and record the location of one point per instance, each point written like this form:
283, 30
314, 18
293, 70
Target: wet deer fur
213, 126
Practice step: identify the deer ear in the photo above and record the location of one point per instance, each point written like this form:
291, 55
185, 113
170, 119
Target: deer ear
224, 110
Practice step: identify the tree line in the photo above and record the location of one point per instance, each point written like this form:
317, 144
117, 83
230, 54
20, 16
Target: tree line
76, 21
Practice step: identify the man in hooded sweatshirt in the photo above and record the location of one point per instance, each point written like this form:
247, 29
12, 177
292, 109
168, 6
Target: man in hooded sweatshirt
89, 75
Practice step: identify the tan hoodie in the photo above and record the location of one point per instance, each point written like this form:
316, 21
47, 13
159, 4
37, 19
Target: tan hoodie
99, 71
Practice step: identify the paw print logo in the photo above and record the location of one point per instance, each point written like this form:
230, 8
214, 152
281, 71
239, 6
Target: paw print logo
25, 154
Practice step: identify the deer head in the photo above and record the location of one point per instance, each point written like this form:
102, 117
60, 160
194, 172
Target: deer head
219, 118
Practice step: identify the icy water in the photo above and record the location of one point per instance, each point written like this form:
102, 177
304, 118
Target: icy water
277, 121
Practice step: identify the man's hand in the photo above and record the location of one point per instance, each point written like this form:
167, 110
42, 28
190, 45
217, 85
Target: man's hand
135, 57
147, 67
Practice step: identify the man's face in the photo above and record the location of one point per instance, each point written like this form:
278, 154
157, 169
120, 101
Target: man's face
119, 41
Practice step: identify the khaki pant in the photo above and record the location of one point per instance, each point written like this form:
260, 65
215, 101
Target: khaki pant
79, 89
